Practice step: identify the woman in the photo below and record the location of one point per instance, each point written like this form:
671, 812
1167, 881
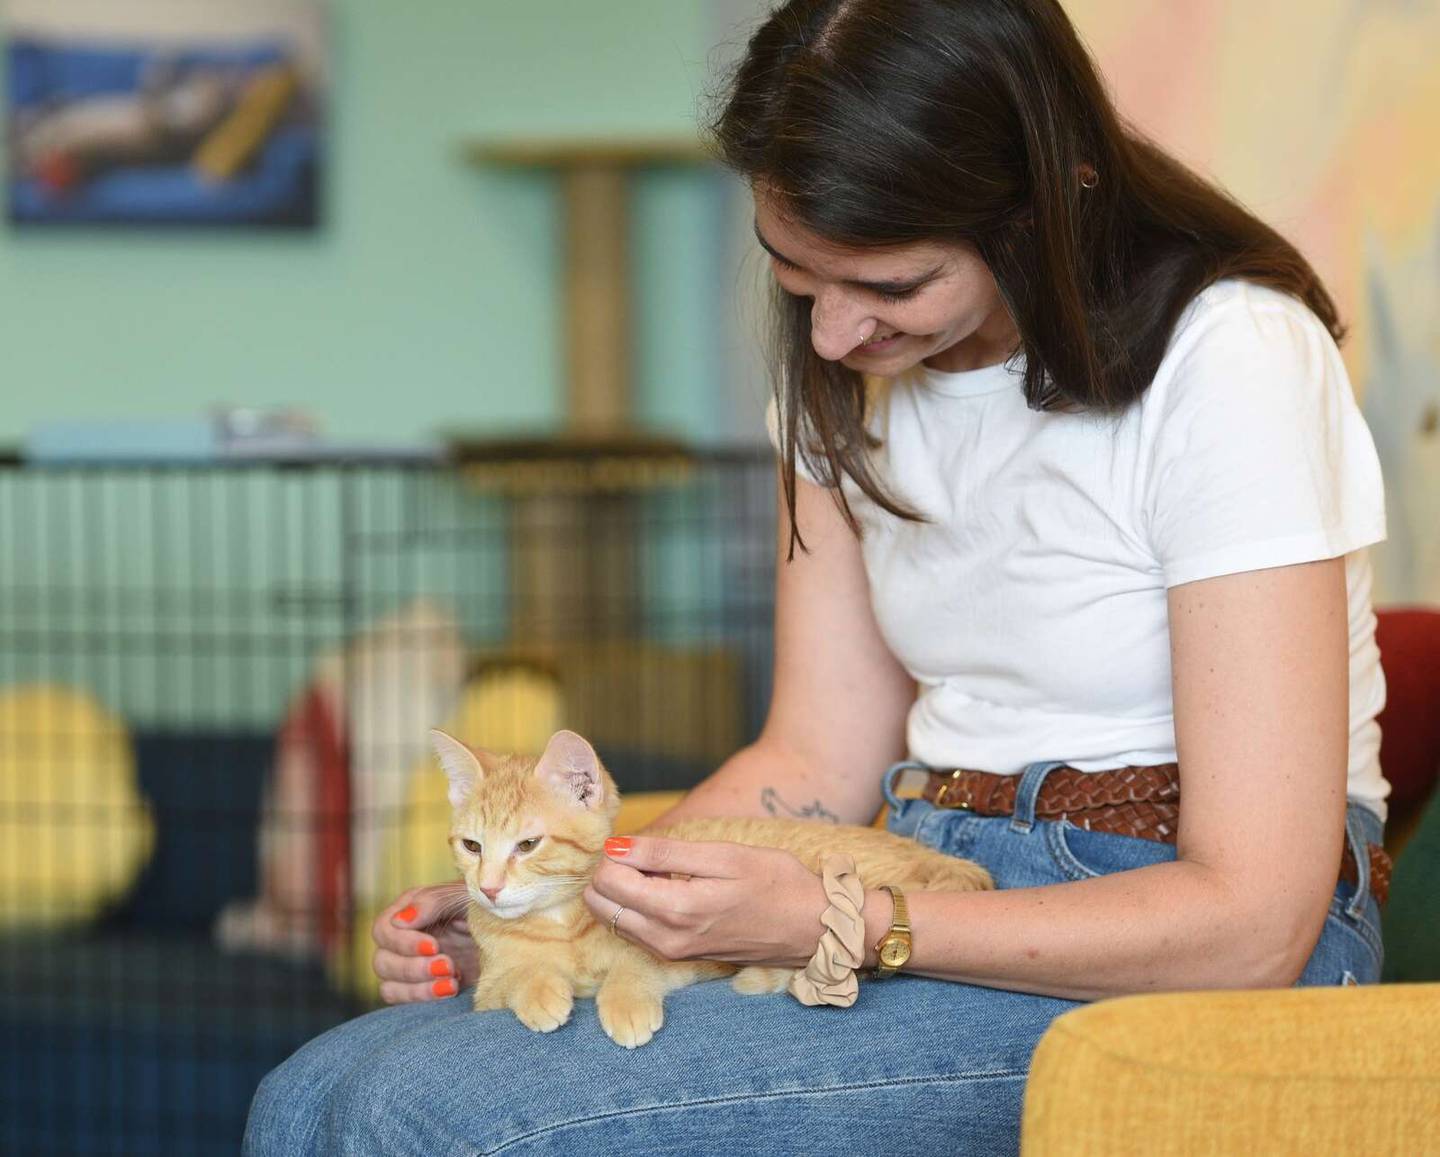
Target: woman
1107, 507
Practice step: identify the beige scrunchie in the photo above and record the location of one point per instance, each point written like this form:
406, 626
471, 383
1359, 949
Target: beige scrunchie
829, 978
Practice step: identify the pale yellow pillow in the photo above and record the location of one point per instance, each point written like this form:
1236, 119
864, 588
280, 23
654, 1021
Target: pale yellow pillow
74, 829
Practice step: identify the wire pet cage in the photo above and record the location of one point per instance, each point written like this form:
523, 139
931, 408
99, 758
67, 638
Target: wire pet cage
215, 686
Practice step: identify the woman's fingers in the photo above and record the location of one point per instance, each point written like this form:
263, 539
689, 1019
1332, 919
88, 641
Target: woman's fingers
406, 926
666, 878
730, 901
659, 876
622, 884
412, 969
633, 925
394, 992
409, 979
410, 958
661, 856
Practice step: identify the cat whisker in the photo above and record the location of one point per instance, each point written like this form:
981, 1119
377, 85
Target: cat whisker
452, 907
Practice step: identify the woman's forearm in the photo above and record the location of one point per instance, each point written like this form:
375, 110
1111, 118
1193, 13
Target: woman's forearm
1167, 926
766, 779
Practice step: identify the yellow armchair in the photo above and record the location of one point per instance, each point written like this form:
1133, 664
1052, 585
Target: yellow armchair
643, 808
1301, 1071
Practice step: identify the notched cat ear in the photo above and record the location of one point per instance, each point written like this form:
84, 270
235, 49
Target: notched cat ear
463, 767
571, 767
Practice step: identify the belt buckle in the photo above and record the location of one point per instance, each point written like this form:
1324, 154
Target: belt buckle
952, 784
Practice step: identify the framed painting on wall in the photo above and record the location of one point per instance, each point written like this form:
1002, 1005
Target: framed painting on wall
165, 112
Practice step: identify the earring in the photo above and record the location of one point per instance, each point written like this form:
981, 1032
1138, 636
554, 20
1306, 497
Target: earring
1089, 178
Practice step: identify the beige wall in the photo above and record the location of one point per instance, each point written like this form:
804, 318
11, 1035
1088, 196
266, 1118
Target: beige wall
1324, 117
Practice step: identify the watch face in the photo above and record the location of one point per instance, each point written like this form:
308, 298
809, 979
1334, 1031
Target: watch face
894, 953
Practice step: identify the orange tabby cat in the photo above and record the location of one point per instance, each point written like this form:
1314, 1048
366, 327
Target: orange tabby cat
527, 834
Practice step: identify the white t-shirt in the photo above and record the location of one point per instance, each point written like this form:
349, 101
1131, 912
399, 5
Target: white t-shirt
1031, 608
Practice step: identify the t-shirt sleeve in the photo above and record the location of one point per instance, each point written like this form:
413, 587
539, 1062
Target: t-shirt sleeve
1258, 456
772, 425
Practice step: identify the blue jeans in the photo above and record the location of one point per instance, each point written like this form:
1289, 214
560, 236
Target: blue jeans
917, 1065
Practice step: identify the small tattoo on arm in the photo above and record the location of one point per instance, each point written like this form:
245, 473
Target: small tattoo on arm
770, 800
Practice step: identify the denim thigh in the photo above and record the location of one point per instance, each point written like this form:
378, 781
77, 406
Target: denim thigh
916, 1065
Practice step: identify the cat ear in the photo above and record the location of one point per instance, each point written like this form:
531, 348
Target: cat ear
462, 766
571, 768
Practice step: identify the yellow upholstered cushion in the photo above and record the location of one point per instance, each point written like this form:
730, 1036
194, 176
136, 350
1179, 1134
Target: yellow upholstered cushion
74, 828
644, 807
1297, 1071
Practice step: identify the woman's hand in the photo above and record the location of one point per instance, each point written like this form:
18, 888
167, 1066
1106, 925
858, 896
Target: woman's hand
730, 902
423, 947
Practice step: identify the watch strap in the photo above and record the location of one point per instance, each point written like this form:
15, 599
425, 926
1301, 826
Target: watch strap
899, 930
900, 919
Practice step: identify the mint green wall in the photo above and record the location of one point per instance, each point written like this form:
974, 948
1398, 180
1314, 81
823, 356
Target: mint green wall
430, 297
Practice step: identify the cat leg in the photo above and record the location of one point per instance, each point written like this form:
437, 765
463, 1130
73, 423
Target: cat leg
542, 1000
488, 996
631, 999
757, 980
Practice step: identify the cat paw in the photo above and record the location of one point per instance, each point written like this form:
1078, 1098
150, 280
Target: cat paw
630, 1021
757, 981
544, 1003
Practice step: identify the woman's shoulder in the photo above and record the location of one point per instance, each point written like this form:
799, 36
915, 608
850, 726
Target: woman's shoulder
1237, 314
1249, 345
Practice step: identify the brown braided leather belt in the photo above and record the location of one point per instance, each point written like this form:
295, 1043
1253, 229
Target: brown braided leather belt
1128, 801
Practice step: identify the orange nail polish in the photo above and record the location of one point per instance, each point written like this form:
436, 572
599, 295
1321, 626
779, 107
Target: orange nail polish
428, 948
439, 968
444, 988
619, 846
406, 914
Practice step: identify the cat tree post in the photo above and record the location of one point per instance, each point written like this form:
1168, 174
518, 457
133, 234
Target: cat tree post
573, 564
597, 297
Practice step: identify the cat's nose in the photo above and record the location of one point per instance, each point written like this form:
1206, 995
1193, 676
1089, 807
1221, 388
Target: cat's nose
491, 893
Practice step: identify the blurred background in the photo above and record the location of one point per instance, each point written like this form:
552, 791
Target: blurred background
369, 366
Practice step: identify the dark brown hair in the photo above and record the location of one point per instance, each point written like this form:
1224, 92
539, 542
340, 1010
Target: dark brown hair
884, 122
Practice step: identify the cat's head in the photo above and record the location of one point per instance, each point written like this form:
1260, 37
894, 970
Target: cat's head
527, 833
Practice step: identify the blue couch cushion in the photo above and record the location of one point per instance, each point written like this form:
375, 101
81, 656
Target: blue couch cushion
144, 1044
204, 789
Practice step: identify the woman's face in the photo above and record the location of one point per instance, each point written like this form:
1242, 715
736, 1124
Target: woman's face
884, 311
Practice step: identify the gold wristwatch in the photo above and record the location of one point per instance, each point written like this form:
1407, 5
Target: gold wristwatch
893, 949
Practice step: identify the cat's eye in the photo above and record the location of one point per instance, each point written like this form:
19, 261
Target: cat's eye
471, 846
524, 847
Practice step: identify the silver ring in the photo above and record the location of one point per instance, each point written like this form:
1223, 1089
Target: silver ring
615, 919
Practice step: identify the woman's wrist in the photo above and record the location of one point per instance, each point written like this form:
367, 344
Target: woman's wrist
806, 929
828, 977
879, 913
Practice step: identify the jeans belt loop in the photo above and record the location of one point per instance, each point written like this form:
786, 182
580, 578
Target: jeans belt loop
892, 776
1031, 780
1360, 849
